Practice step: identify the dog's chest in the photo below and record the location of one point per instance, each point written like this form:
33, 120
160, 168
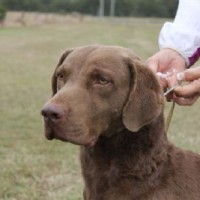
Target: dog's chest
101, 169
107, 178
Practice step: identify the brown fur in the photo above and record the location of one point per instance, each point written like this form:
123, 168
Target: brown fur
107, 101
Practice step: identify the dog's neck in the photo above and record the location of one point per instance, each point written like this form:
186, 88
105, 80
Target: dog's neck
146, 150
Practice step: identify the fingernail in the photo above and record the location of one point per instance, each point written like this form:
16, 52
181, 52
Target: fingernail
168, 74
180, 76
161, 75
174, 71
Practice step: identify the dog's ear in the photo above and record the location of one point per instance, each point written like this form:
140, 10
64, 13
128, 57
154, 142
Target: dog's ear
145, 97
54, 79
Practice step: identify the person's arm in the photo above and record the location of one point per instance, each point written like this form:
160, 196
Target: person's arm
183, 34
179, 43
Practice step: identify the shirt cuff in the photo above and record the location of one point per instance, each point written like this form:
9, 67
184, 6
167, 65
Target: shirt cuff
185, 42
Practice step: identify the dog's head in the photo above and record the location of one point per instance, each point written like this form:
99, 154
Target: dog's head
100, 90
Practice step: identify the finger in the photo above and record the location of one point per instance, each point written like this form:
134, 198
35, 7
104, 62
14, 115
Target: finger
185, 101
163, 82
189, 74
152, 64
188, 90
171, 81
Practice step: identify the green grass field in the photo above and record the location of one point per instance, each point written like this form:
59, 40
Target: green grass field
32, 168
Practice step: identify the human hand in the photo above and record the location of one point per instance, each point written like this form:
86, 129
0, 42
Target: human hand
188, 93
167, 61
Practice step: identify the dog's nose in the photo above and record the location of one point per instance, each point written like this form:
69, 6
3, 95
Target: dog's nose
52, 112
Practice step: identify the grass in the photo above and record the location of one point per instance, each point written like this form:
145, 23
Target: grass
33, 168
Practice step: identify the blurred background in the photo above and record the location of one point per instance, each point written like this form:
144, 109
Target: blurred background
33, 35
155, 8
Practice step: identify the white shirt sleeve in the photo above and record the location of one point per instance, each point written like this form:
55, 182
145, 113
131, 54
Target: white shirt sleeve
183, 34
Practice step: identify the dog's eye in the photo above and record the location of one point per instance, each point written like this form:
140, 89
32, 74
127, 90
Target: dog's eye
60, 76
103, 80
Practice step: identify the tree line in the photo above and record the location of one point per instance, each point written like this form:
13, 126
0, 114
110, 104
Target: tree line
147, 8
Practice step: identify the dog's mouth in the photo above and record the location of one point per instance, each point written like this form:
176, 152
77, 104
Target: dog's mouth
78, 136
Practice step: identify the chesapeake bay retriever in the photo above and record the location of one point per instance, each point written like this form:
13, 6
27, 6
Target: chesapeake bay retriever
109, 103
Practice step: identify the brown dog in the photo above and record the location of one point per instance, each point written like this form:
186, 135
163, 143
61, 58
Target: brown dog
105, 100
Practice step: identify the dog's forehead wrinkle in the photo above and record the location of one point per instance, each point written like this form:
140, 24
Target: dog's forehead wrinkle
116, 70
105, 60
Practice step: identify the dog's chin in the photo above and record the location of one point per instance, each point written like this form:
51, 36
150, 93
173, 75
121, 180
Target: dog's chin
49, 135
88, 142
74, 138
